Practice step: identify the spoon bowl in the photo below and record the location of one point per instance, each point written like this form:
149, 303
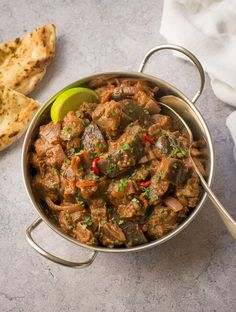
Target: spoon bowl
183, 126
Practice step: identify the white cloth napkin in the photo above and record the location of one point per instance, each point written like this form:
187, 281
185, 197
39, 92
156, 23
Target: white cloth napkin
208, 29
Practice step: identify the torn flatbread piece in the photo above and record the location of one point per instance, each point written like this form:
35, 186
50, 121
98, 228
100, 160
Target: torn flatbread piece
16, 111
23, 61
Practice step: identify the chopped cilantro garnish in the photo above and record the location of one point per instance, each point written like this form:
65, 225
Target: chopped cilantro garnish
187, 175
122, 185
79, 193
159, 176
174, 165
109, 209
120, 221
76, 153
66, 132
72, 226
111, 168
67, 160
66, 129
57, 172
54, 216
155, 197
118, 242
94, 240
146, 112
146, 193
176, 150
80, 202
181, 154
152, 213
103, 222
135, 200
69, 220
87, 221
125, 146
131, 110
92, 176
165, 150
78, 114
101, 146
84, 226
85, 123
113, 112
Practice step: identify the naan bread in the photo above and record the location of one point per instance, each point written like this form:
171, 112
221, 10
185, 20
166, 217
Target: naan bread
23, 61
16, 111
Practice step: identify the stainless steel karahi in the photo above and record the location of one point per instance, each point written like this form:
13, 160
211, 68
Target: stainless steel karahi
185, 107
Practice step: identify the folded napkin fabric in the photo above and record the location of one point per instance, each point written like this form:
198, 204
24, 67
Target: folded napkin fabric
208, 29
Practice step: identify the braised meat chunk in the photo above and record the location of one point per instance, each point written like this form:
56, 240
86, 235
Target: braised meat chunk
108, 117
50, 132
172, 170
133, 233
111, 235
93, 140
116, 173
124, 153
161, 222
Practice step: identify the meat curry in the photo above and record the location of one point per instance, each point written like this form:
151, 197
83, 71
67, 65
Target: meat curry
116, 173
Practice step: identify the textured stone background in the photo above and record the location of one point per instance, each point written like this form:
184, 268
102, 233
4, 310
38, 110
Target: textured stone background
196, 271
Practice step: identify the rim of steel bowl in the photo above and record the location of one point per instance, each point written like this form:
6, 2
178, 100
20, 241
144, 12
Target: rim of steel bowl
188, 111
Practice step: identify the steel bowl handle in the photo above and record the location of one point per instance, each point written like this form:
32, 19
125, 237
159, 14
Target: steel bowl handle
47, 255
185, 52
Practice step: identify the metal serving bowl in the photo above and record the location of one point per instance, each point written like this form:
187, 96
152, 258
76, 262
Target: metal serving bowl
184, 107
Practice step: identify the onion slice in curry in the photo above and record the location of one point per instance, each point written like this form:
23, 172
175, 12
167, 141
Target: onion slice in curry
67, 207
173, 203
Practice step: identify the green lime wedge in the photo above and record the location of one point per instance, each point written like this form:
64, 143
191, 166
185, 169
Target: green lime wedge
70, 100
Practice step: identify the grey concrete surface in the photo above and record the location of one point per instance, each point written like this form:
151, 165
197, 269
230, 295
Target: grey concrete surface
196, 271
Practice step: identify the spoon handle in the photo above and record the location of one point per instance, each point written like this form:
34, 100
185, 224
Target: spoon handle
225, 216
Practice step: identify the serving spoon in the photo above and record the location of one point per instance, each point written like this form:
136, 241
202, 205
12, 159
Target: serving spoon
225, 216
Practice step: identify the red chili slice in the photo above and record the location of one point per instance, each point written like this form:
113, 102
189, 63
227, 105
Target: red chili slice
148, 139
145, 184
94, 165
